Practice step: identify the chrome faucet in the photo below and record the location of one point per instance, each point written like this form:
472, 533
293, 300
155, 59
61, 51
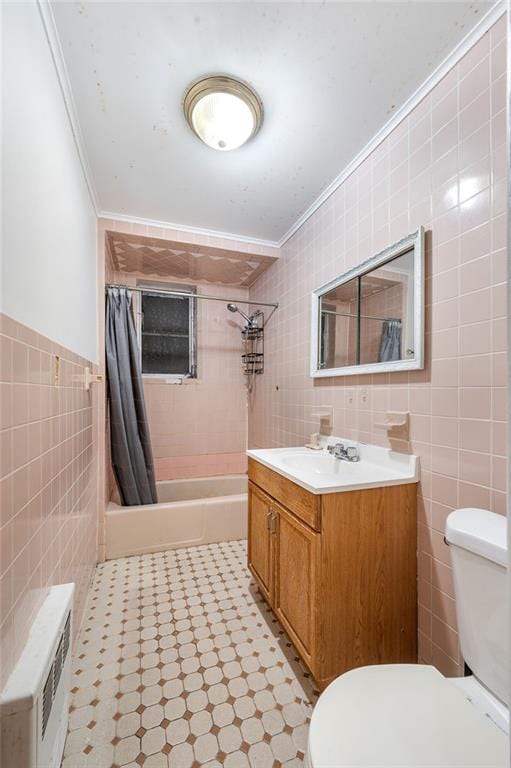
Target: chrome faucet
348, 453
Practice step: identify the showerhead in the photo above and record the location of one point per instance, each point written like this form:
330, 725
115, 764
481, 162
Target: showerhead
234, 308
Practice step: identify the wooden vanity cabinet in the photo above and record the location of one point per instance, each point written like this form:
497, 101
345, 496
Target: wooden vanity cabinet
339, 570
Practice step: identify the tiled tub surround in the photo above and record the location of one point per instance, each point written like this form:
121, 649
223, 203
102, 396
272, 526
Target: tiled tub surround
199, 428
48, 486
180, 663
443, 167
204, 420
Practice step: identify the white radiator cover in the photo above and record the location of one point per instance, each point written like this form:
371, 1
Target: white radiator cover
34, 704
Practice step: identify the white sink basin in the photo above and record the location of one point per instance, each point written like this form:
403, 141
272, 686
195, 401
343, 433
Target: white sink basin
322, 464
320, 472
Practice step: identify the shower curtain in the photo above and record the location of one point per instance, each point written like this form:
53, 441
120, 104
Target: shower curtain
132, 458
390, 342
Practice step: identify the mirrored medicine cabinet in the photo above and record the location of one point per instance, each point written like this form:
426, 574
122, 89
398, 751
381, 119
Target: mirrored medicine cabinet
371, 319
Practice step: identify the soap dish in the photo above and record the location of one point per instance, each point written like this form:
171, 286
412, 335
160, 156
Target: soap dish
394, 420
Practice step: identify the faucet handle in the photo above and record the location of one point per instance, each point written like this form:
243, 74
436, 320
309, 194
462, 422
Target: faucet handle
352, 453
335, 448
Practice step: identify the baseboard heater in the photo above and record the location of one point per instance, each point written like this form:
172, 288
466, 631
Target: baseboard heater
34, 704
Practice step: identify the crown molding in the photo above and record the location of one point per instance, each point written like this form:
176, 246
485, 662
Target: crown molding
48, 20
185, 228
480, 29
52, 36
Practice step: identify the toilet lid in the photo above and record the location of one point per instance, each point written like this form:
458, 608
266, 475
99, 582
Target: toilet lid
401, 716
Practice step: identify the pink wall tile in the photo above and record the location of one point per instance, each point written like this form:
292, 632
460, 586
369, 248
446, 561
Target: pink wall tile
202, 465
454, 147
47, 476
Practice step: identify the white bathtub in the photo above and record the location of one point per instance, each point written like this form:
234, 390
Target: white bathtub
189, 512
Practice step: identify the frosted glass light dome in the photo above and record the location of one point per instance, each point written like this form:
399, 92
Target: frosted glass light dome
223, 112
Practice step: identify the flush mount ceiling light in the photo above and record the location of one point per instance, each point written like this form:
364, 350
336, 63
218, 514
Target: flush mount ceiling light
223, 112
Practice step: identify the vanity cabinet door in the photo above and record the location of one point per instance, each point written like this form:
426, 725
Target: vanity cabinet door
260, 539
296, 562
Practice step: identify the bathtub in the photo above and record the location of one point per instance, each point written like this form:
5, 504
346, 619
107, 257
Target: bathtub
203, 510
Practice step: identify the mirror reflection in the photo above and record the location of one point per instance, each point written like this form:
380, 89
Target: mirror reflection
386, 312
369, 319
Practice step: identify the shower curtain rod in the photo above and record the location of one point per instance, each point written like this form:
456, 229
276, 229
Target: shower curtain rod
188, 295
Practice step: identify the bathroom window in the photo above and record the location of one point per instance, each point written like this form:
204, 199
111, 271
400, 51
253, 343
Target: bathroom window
167, 331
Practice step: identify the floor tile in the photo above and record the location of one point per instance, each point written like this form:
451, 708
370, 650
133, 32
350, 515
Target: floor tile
181, 664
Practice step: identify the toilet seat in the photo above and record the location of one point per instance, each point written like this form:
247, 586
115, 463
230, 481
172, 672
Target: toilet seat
401, 716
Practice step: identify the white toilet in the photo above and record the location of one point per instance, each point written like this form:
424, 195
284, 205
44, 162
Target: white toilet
409, 715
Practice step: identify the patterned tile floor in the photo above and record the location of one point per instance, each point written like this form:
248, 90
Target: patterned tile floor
181, 664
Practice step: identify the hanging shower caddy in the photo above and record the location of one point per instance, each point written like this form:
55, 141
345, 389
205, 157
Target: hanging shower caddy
253, 339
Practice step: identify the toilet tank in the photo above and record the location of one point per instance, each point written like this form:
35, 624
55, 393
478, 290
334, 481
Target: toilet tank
478, 546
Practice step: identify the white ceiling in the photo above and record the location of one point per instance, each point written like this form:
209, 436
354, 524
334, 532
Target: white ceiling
329, 74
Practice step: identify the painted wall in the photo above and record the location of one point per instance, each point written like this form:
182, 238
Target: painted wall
49, 225
444, 167
49, 484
